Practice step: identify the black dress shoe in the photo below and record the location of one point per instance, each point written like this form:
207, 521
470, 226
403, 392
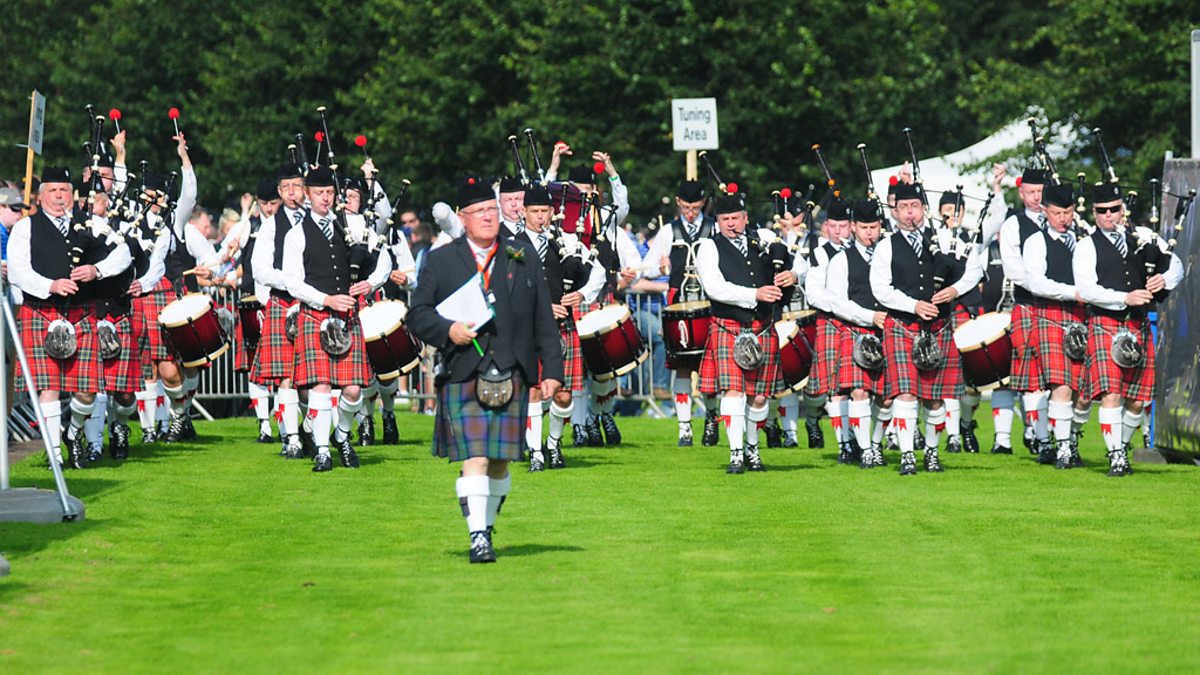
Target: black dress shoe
685, 435
932, 463
322, 463
307, 442
346, 449
954, 444
481, 548
118, 440
1028, 440
78, 458
711, 433
1046, 453
175, 430
294, 449
970, 440
595, 439
366, 432
579, 435
391, 433
845, 456
816, 435
537, 461
908, 464
264, 432
736, 465
95, 452
789, 440
1001, 449
612, 435
554, 450
753, 461
189, 431
773, 433
149, 435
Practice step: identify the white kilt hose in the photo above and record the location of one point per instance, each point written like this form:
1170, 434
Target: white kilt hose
1104, 376
903, 376
719, 373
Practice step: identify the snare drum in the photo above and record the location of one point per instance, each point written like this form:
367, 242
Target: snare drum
985, 345
194, 330
250, 314
795, 355
610, 342
685, 332
391, 349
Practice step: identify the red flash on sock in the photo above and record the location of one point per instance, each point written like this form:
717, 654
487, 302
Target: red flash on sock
141, 406
855, 422
939, 428
1033, 417
161, 400
312, 414
279, 413
901, 423
995, 412
836, 421
1106, 429
725, 420
681, 398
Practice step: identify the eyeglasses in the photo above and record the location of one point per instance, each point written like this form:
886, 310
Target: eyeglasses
1107, 209
18, 209
479, 212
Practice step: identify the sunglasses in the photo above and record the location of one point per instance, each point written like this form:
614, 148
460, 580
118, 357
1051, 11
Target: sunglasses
1107, 209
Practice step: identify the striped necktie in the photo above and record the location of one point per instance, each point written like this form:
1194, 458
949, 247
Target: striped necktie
1069, 240
914, 238
1118, 240
693, 229
870, 252
62, 225
543, 245
327, 228
740, 244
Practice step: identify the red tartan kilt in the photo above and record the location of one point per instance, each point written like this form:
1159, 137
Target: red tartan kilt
314, 366
821, 378
121, 372
850, 375
719, 373
148, 334
1054, 367
903, 377
243, 359
1104, 375
1025, 376
78, 374
276, 354
572, 362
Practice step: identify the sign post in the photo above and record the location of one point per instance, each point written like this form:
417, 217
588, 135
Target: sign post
694, 124
37, 122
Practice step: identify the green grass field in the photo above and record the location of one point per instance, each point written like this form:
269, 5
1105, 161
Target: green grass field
220, 556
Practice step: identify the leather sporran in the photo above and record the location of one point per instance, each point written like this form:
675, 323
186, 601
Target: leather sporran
106, 334
494, 388
335, 336
61, 342
1075, 339
1127, 349
926, 352
868, 351
747, 350
291, 324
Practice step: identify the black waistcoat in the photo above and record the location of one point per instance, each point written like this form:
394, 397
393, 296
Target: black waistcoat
246, 284
326, 263
679, 254
1027, 229
49, 253
1058, 261
282, 226
911, 275
753, 271
858, 280
993, 280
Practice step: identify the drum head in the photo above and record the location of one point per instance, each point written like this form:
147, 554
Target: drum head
692, 308
799, 315
191, 306
602, 320
786, 330
248, 299
980, 331
382, 318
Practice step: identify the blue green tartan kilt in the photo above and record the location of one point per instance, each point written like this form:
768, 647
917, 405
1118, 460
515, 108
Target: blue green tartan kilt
464, 429
1026, 375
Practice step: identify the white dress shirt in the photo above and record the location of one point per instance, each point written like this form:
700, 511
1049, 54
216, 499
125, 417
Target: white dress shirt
1086, 282
1010, 248
837, 286
1035, 267
20, 262
263, 258
716, 287
294, 275
814, 282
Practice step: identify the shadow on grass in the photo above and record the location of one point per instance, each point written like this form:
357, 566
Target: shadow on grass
521, 550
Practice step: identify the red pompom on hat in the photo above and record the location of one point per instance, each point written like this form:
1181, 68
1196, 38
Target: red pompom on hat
320, 136
731, 188
173, 113
893, 180
470, 181
1018, 181
786, 193
360, 141
114, 114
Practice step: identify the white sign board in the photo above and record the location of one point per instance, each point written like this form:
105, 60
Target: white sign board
694, 121
37, 120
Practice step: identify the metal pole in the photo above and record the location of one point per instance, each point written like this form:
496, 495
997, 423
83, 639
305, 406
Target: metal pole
1196, 94
3, 396
37, 407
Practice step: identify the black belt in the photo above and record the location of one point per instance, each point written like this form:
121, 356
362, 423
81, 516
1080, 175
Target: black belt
282, 295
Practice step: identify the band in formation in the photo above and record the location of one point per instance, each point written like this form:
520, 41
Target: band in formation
885, 315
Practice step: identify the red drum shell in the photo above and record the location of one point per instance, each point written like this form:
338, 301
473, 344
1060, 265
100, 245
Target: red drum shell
685, 332
391, 349
796, 354
986, 359
195, 333
614, 346
250, 313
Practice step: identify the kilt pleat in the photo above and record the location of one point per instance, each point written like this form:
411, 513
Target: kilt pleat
850, 375
148, 334
275, 356
572, 360
1104, 376
120, 373
719, 372
821, 377
903, 376
463, 428
1055, 368
1025, 376
315, 366
78, 374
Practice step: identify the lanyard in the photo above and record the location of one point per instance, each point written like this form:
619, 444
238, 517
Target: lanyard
486, 267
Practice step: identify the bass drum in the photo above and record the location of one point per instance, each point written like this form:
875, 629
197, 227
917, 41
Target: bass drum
391, 349
795, 355
985, 346
610, 342
685, 332
194, 330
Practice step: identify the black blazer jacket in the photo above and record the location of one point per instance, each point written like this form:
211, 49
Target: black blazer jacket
523, 329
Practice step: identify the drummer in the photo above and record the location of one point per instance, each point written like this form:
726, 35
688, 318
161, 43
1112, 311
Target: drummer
561, 272
743, 287
510, 195
1050, 278
796, 236
1110, 276
275, 356
675, 249
848, 281
1021, 224
903, 280
821, 389
316, 268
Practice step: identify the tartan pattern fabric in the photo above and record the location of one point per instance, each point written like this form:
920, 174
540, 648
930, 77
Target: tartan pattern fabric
276, 354
315, 366
903, 377
463, 428
78, 374
120, 374
1025, 376
1104, 376
825, 356
572, 361
148, 335
1054, 367
850, 375
719, 373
